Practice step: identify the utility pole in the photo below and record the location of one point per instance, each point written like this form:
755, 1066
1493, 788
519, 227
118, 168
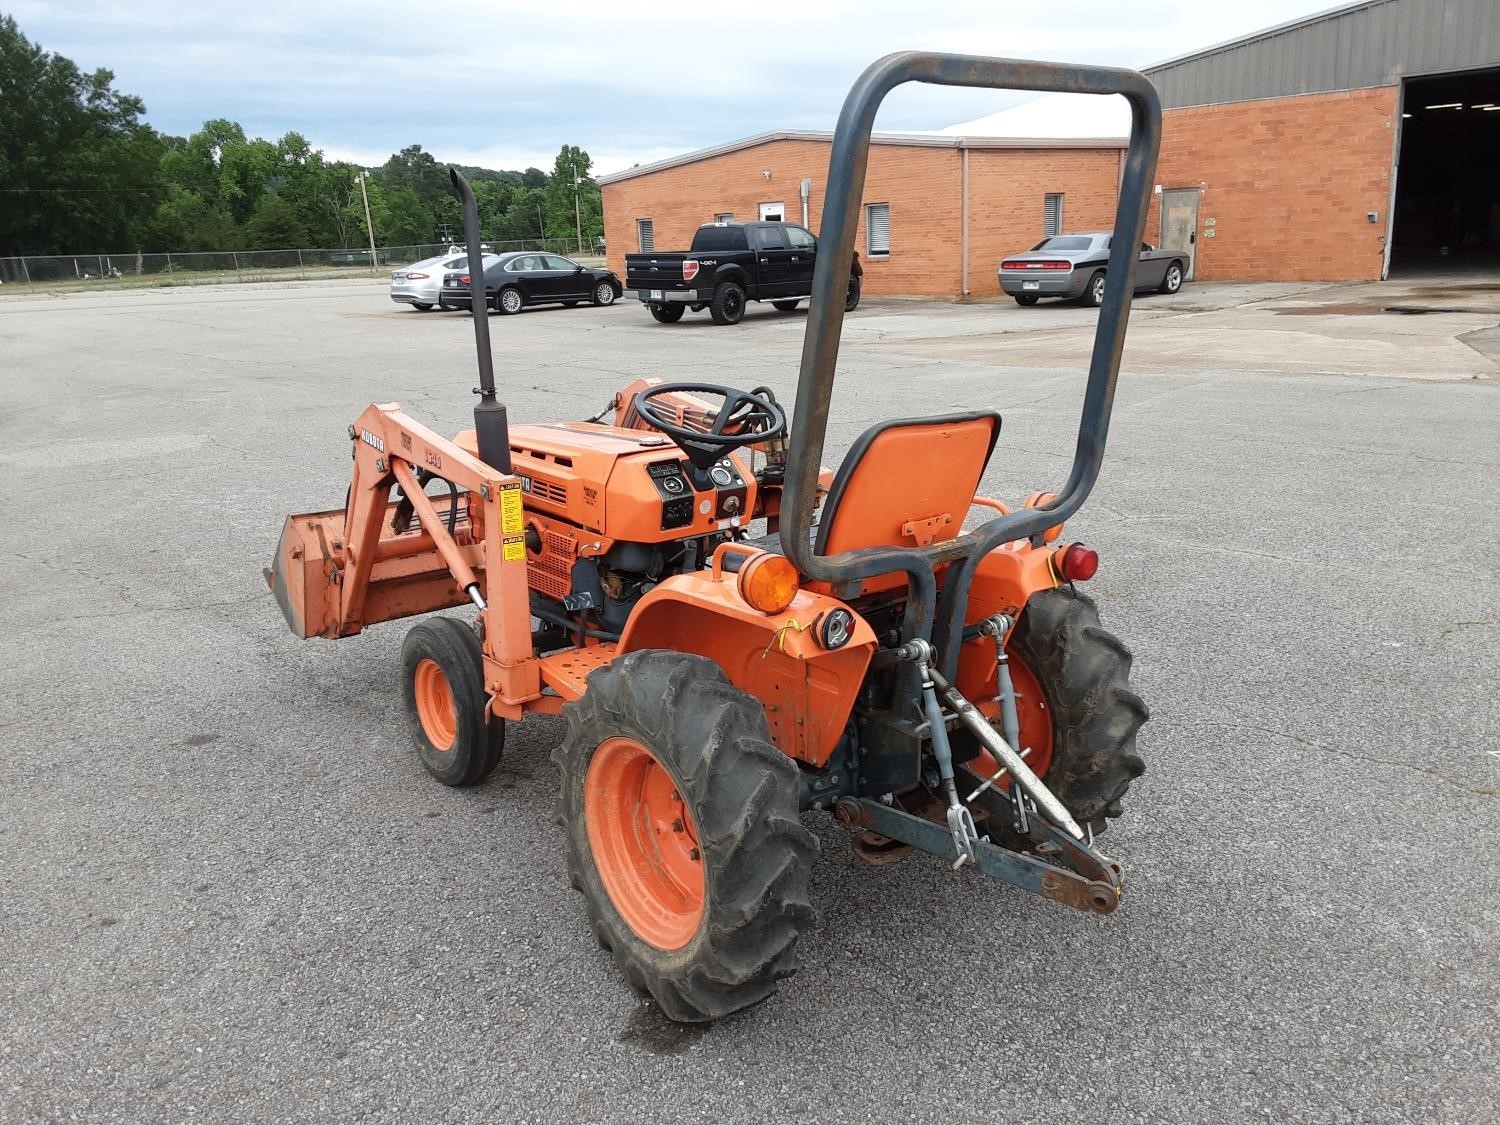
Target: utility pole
577, 214
369, 226
541, 227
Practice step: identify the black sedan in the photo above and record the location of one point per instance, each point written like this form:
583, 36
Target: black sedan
531, 277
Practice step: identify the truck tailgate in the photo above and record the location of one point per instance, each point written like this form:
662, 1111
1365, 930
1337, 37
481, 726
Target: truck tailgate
655, 271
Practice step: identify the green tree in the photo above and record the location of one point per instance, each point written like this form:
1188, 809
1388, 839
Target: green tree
570, 175
78, 168
402, 219
275, 225
186, 221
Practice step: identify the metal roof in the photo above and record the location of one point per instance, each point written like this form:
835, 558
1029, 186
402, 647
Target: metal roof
1369, 43
906, 140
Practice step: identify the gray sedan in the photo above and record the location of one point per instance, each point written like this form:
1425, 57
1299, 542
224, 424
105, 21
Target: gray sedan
420, 283
1072, 266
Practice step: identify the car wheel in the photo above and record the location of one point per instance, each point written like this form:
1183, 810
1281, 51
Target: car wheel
667, 314
604, 294
570, 304
444, 306
509, 301
420, 307
785, 306
1173, 279
1094, 294
1026, 299
728, 303
851, 299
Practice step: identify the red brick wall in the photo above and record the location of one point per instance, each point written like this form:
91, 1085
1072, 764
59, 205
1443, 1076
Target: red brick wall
1287, 181
922, 184
1007, 188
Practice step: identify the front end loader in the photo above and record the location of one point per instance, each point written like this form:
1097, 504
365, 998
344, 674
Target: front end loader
737, 636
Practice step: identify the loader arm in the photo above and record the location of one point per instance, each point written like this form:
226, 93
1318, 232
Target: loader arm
336, 572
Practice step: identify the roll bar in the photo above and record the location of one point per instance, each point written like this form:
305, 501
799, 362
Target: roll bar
820, 346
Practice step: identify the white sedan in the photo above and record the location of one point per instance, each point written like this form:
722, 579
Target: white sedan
418, 284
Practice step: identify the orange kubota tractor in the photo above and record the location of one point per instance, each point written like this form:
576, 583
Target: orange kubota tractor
933, 688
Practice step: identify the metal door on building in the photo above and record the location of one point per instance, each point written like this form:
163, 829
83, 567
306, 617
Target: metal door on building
1179, 223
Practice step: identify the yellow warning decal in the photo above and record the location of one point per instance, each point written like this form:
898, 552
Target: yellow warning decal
514, 549
512, 521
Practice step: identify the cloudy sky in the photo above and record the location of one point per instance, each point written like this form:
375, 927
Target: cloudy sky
505, 86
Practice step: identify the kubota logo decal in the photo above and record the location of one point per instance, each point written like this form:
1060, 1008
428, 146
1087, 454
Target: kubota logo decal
372, 440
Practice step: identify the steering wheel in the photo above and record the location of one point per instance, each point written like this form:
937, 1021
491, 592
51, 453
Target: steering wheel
744, 418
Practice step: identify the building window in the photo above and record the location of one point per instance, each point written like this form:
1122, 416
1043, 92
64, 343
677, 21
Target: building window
878, 229
724, 217
645, 236
1052, 215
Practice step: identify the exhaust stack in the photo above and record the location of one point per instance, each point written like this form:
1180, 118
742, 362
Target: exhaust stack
491, 427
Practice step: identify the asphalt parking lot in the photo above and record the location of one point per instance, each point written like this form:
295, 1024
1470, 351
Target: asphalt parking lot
229, 892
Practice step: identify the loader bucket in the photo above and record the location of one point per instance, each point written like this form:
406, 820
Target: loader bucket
302, 575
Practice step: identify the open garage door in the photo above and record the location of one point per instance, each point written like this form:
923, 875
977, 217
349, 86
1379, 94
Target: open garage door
1447, 210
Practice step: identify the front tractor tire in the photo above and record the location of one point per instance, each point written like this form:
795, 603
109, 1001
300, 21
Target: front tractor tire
442, 683
682, 833
1084, 673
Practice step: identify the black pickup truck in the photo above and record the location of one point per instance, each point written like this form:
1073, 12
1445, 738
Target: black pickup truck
729, 264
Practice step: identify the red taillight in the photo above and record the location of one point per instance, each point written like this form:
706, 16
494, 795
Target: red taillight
1030, 265
1079, 563
464, 280
415, 276
689, 269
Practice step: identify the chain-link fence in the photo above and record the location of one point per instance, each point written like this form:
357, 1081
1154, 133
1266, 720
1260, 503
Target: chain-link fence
54, 271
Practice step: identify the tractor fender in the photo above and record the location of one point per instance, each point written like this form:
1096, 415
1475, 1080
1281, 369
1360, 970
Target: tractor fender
1004, 582
808, 691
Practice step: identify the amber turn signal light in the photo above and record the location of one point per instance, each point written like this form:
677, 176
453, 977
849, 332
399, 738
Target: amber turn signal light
768, 583
1078, 563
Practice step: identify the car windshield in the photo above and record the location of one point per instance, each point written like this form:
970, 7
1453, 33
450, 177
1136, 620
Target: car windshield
1063, 244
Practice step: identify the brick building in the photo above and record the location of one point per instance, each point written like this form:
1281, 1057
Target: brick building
944, 210
1330, 148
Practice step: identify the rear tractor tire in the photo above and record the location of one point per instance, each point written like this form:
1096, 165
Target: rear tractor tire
667, 314
1084, 673
442, 683
682, 833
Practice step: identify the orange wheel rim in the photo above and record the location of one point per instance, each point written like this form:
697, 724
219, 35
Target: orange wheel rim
1034, 718
435, 709
644, 843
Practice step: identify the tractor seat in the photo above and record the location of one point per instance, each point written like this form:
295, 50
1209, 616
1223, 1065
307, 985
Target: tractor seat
908, 482
904, 483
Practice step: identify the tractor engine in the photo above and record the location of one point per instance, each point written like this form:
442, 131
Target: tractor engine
611, 510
